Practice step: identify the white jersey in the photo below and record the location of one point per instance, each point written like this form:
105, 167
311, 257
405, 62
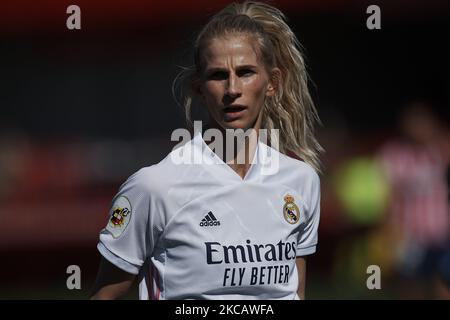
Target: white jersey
200, 231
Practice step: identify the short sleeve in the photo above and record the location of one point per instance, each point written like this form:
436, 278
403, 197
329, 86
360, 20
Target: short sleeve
127, 239
309, 230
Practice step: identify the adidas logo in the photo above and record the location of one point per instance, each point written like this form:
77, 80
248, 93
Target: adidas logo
209, 220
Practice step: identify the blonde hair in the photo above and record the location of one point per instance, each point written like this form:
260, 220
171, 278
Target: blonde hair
292, 110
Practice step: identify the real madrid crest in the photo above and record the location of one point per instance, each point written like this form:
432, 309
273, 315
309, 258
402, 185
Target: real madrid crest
290, 210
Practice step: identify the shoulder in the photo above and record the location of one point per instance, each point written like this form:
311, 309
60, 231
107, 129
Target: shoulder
297, 175
160, 176
297, 167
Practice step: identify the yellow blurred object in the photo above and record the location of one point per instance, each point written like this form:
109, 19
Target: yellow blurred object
362, 189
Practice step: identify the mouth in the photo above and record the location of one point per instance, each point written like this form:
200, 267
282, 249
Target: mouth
233, 112
234, 108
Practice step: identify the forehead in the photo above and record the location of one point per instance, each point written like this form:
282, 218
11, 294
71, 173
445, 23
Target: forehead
235, 49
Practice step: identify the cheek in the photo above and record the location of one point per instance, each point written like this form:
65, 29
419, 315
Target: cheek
257, 89
212, 91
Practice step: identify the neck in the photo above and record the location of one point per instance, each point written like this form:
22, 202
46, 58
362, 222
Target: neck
238, 149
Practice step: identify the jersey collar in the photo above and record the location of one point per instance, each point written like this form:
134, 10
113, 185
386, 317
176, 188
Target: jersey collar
213, 162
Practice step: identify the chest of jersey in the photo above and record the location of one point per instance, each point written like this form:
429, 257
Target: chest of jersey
234, 240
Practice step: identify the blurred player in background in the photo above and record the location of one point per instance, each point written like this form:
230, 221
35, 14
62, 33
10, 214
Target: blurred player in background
416, 165
220, 229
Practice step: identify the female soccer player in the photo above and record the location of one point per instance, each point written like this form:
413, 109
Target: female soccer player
220, 228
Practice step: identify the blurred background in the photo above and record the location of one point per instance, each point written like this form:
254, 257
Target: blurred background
81, 110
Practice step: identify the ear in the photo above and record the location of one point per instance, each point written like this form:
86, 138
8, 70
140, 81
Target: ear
274, 82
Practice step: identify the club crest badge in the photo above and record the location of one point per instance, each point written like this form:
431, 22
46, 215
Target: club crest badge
120, 215
290, 210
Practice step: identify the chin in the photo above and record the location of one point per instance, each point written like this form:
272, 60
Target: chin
237, 124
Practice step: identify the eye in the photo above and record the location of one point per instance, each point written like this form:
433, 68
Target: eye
218, 75
245, 72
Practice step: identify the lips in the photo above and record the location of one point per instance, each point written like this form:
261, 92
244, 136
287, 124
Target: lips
233, 112
234, 108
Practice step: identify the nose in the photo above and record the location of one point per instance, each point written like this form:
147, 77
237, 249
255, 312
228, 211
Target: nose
233, 89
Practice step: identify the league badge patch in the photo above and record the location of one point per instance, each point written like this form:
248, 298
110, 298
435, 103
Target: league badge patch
119, 216
290, 210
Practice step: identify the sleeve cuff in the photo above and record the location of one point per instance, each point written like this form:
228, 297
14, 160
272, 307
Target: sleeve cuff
116, 260
306, 251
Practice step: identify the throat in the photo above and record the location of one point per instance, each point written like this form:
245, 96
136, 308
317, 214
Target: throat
240, 169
